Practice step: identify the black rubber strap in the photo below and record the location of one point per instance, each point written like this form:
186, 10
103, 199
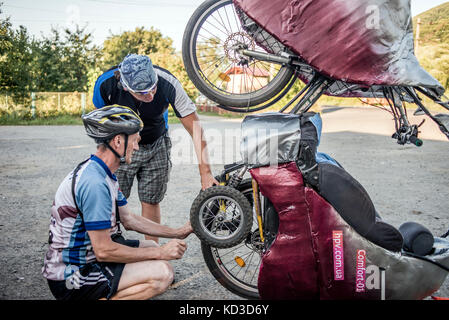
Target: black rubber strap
117, 219
114, 152
122, 158
75, 172
445, 235
117, 214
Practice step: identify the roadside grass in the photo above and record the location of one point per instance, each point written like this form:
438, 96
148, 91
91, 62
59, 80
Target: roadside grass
71, 118
60, 120
8, 120
224, 115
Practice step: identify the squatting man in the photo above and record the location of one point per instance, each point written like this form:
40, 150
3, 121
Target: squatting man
87, 257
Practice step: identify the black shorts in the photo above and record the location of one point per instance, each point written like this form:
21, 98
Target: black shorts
102, 279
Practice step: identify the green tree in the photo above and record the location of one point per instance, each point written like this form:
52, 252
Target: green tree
79, 57
139, 41
5, 38
15, 60
63, 63
435, 59
174, 64
151, 43
47, 63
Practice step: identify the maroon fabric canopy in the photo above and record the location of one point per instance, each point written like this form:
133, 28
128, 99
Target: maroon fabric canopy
366, 42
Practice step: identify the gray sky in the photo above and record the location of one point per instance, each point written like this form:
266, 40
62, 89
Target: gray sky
105, 16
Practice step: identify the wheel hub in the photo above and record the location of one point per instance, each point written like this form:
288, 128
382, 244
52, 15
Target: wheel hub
234, 43
255, 242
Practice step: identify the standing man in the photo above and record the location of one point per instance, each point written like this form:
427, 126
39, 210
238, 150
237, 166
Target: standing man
87, 257
149, 90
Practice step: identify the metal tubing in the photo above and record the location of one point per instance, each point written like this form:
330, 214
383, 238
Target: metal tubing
265, 56
318, 86
295, 98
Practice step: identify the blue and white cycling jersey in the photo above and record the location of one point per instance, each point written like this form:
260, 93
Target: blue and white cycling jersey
96, 192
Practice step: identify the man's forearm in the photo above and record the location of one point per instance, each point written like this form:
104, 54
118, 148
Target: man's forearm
123, 254
203, 158
148, 227
193, 126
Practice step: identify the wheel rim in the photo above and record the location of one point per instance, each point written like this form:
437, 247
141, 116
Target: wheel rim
221, 217
250, 251
219, 34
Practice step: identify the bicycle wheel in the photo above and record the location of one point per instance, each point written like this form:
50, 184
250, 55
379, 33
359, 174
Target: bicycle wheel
209, 50
221, 216
237, 268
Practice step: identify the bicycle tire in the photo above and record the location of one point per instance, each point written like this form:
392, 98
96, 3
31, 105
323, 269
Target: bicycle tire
231, 195
214, 261
193, 69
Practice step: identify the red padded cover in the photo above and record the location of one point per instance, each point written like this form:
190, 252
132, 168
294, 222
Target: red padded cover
290, 263
300, 263
367, 42
317, 255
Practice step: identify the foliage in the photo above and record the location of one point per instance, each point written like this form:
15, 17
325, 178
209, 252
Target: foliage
146, 42
434, 28
68, 61
139, 41
174, 64
54, 63
63, 63
15, 59
433, 49
435, 59
47, 105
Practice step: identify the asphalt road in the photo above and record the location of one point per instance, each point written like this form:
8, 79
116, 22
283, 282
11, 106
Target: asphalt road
406, 183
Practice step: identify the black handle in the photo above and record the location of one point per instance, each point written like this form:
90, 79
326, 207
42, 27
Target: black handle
416, 141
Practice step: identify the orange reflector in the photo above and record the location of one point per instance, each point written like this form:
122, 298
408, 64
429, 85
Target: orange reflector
224, 77
240, 261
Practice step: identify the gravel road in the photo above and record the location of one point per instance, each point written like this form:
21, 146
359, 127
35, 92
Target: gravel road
405, 183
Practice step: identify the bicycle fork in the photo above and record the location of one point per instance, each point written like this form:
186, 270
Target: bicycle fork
257, 207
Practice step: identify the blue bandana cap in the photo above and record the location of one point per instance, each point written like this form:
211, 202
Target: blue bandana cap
137, 73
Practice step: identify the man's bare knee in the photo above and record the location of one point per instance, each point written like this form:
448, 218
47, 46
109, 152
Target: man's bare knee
167, 274
158, 279
165, 278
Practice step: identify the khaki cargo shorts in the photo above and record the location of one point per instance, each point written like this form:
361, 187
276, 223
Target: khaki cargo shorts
151, 165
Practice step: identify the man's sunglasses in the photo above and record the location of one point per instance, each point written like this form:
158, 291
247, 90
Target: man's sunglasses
152, 90
142, 93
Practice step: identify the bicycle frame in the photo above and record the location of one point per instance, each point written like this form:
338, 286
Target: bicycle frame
319, 84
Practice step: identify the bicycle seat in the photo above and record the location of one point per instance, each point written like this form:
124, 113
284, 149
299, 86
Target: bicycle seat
355, 206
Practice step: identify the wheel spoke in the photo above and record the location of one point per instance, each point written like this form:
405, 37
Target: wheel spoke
226, 22
226, 34
232, 250
227, 17
214, 62
208, 39
222, 23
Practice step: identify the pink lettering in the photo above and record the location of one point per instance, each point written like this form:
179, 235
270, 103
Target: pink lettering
339, 269
360, 271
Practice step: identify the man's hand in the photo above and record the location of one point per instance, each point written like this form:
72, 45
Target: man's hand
174, 249
184, 231
207, 181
